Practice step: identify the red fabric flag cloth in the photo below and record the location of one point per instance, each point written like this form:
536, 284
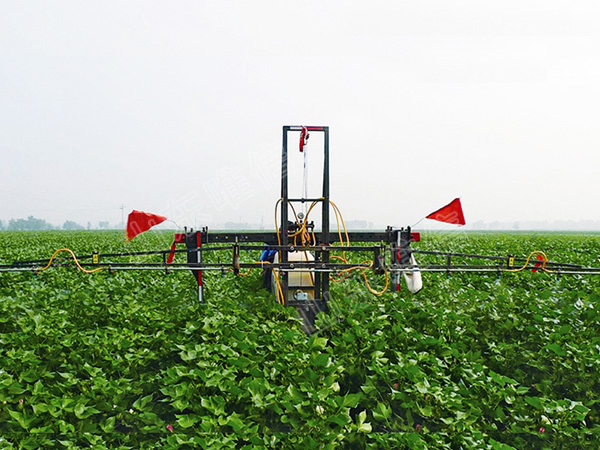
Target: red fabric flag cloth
451, 213
139, 221
179, 239
537, 265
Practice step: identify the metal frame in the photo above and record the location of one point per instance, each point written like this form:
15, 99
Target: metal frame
321, 280
194, 264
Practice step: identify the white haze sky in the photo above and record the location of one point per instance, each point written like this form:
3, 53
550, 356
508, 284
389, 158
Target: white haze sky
177, 108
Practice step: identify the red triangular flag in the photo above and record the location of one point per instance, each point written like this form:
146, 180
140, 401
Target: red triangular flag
540, 258
451, 213
139, 221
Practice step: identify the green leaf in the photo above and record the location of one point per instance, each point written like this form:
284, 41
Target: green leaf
186, 420
318, 343
501, 379
363, 427
535, 402
82, 411
295, 394
108, 424
39, 408
521, 390
382, 412
188, 355
580, 411
30, 443
142, 402
425, 410
557, 349
236, 422
500, 446
21, 419
351, 400
30, 376
321, 360
16, 389
422, 386
341, 419
362, 416
38, 388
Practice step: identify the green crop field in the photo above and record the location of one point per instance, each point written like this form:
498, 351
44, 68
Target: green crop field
131, 360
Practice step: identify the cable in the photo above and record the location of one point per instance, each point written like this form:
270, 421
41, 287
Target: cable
305, 179
74, 259
346, 272
363, 272
543, 262
305, 237
337, 211
302, 230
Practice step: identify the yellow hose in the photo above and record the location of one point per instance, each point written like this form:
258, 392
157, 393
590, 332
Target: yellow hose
346, 272
74, 259
542, 261
305, 237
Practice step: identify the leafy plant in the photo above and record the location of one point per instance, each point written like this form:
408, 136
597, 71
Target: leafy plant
131, 360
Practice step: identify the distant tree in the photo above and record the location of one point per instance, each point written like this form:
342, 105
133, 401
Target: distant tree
103, 225
70, 225
1, 225
31, 223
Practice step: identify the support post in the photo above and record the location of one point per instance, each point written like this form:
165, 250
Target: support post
283, 256
199, 259
193, 242
325, 215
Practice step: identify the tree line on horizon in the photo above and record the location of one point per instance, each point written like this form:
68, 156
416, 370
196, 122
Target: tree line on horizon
35, 224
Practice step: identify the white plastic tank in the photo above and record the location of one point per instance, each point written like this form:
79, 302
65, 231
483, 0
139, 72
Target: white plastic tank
300, 281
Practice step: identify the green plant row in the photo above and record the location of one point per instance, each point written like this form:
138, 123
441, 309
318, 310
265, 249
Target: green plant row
131, 360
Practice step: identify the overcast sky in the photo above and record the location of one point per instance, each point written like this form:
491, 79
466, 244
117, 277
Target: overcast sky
177, 108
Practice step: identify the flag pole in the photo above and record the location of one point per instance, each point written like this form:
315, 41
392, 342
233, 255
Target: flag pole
420, 220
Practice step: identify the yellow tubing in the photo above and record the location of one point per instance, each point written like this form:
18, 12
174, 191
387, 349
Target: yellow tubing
74, 259
305, 237
542, 261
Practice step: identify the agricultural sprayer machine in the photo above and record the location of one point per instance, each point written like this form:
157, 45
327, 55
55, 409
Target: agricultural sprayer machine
301, 258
